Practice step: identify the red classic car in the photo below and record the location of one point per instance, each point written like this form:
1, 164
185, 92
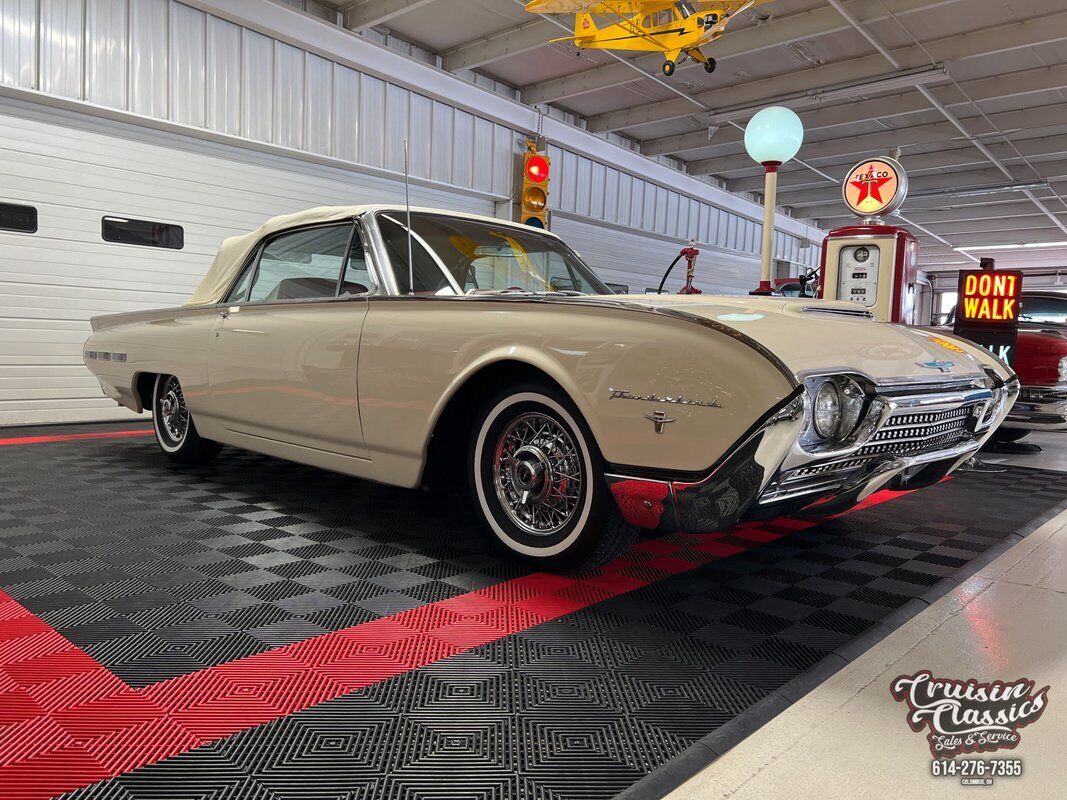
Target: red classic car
1041, 363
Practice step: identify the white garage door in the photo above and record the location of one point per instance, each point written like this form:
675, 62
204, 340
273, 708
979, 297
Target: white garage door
638, 260
75, 170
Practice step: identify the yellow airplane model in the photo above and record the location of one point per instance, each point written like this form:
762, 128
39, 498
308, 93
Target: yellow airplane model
675, 29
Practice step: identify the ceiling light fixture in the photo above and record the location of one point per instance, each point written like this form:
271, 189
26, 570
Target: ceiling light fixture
1019, 246
974, 191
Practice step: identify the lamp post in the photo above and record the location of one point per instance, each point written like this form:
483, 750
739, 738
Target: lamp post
773, 136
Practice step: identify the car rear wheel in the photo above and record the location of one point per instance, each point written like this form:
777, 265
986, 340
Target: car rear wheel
175, 430
538, 481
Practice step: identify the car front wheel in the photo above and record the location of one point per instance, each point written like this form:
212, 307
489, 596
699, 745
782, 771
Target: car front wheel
175, 430
538, 481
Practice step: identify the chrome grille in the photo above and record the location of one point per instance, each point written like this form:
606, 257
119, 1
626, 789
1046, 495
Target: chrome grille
922, 428
808, 480
911, 432
829, 466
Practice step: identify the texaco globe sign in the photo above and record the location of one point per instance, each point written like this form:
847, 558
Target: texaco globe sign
875, 187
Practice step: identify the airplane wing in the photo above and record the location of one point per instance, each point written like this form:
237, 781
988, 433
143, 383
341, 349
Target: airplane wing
620, 7
726, 6
559, 6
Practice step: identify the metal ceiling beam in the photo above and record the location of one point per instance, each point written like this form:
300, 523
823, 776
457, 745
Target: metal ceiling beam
1003, 210
935, 236
1046, 148
870, 143
779, 31
798, 198
361, 16
1027, 260
1046, 233
1052, 168
1013, 84
982, 42
923, 209
520, 39
892, 59
1005, 225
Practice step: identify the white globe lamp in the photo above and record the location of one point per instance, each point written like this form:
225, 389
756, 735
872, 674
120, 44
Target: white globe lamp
773, 137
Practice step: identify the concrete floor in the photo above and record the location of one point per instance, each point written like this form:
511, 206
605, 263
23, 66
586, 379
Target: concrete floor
849, 738
1053, 455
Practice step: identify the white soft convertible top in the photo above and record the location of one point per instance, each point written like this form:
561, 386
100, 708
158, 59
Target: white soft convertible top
234, 252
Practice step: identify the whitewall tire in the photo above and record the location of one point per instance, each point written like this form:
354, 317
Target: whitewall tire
175, 430
537, 478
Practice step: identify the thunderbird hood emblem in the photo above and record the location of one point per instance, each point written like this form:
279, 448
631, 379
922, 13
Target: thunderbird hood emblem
940, 366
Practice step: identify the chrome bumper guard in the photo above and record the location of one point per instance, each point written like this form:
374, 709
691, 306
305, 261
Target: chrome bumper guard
1040, 408
913, 441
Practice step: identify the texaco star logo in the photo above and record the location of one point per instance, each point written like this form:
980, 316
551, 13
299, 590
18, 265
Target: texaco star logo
875, 187
870, 186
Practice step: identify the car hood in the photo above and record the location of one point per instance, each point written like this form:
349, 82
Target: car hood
812, 335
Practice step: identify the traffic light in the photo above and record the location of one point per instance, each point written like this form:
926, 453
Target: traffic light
533, 202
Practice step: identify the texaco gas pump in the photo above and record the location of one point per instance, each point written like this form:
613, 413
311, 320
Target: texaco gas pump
873, 263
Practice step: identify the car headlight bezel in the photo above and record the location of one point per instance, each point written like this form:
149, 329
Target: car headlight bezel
1063, 370
841, 410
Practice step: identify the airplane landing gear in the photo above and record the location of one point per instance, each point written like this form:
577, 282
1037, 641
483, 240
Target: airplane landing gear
710, 65
669, 67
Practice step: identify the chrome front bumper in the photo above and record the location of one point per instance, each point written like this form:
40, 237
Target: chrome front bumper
918, 439
1039, 408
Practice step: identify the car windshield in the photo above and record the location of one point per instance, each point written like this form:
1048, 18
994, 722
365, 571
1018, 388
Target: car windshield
1044, 310
482, 257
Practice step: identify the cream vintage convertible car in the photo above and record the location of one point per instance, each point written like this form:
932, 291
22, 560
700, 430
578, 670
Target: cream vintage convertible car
578, 416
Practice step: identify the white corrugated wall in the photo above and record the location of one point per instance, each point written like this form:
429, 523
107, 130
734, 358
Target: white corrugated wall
639, 260
75, 170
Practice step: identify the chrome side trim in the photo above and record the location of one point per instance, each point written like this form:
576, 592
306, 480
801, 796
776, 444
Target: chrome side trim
842, 312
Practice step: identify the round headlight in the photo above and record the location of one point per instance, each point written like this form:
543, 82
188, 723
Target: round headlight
826, 413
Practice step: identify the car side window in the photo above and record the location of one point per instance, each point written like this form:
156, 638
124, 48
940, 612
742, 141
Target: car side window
302, 265
357, 278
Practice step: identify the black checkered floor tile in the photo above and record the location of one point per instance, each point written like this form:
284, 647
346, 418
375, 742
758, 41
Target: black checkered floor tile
158, 571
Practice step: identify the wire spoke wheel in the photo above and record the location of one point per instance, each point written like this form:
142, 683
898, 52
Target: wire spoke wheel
538, 474
173, 413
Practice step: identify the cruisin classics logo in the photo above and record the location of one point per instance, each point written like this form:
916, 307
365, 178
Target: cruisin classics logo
968, 716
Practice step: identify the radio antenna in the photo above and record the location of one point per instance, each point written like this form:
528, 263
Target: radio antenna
407, 205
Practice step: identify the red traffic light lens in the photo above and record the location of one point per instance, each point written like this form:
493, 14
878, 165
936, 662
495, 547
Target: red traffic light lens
537, 169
